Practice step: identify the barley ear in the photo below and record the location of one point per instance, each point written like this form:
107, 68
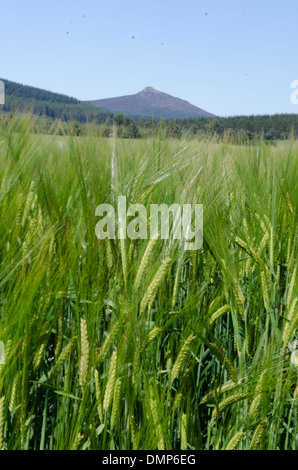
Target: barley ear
258, 435
235, 441
150, 294
77, 442
111, 382
84, 362
256, 402
116, 400
158, 429
224, 360
221, 311
144, 262
181, 356
184, 432
60, 361
226, 403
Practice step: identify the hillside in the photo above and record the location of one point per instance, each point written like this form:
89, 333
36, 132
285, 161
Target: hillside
49, 104
151, 103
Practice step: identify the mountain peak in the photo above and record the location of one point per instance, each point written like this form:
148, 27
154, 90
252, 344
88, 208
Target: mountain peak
149, 89
151, 103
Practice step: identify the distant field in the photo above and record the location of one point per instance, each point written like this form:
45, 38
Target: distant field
139, 344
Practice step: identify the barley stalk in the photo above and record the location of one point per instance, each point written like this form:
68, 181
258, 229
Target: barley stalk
116, 400
219, 313
152, 289
38, 356
256, 402
249, 250
77, 442
211, 396
177, 401
64, 355
158, 429
12, 401
181, 356
258, 435
265, 291
226, 403
133, 431
239, 296
28, 203
110, 339
144, 261
97, 394
262, 224
224, 360
235, 441
111, 382
183, 432
150, 337
263, 243
84, 362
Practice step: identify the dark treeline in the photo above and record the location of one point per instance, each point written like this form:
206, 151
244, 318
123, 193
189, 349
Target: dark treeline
269, 127
238, 129
48, 104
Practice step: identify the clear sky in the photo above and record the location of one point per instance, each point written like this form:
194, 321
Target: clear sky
228, 57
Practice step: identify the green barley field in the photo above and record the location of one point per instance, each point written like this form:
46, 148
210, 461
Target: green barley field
141, 344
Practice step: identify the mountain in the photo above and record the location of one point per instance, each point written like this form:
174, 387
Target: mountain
48, 104
151, 103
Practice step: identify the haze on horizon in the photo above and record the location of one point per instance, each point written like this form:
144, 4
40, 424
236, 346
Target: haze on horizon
232, 57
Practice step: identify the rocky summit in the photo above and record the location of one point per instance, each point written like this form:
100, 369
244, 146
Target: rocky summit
151, 103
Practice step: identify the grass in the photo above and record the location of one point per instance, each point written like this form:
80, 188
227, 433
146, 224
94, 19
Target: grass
105, 348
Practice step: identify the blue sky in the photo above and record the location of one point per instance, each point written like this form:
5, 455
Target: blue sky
228, 57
